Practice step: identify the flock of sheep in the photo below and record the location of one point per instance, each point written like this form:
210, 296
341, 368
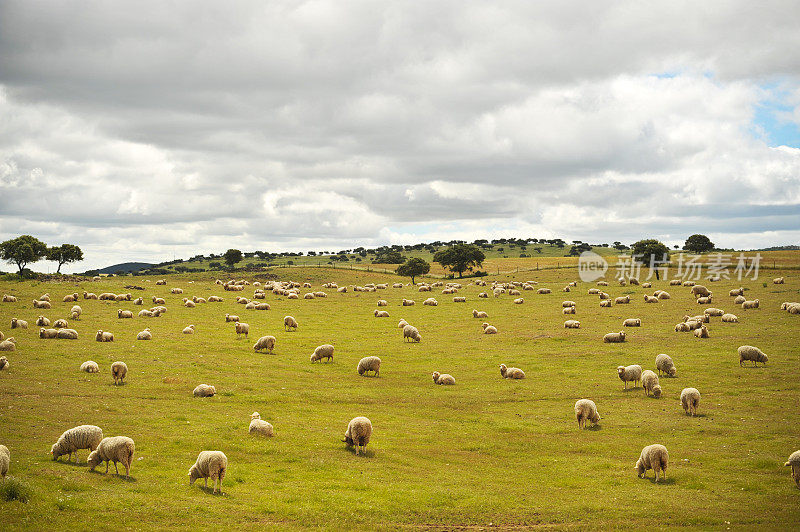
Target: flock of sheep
213, 464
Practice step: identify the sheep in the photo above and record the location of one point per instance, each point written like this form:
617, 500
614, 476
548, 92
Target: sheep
543, 291
370, 363
144, 313
750, 304
566, 304
215, 299
122, 314
704, 300
260, 427
159, 301
289, 323
748, 352
653, 457
175, 290
60, 324
209, 464
89, 295
42, 304
138, 301
198, 300
565, 289
309, 295
605, 303
107, 296
76, 438
67, 334
265, 342
739, 300
730, 318
665, 365
483, 295
21, 324
75, 312
119, 370
519, 301
9, 344
459, 300
381, 314
48, 333
241, 328
489, 329
322, 351
188, 303
409, 331
647, 285
624, 300
793, 462
9, 299
593, 291
632, 322
41, 321
585, 409
614, 338
511, 373
650, 299
145, 335
342, 290
632, 373
700, 290
663, 295
572, 324
231, 317
358, 433
778, 280
383, 303
690, 400
4, 364
114, 449
443, 378
716, 312
431, 302
568, 310
736, 292
675, 282
5, 461
650, 384
204, 390
90, 366
189, 329
602, 283
702, 332
104, 336
479, 314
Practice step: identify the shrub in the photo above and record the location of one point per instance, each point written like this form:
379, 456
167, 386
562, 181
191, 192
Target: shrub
15, 490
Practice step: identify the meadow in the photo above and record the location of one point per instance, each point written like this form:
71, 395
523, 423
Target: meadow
485, 452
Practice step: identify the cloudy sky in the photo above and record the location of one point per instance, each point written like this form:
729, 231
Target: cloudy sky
147, 130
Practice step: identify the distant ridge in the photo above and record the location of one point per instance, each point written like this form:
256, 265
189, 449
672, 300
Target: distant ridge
126, 267
779, 248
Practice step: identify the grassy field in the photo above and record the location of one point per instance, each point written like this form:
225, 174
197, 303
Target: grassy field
483, 452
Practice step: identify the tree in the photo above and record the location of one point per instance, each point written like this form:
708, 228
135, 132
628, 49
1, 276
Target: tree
698, 244
389, 257
64, 254
460, 258
22, 251
650, 252
413, 267
232, 256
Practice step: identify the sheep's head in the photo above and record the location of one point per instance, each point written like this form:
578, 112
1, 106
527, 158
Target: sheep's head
672, 371
595, 417
657, 391
93, 460
55, 450
436, 376
194, 474
639, 467
622, 334
503, 370
621, 371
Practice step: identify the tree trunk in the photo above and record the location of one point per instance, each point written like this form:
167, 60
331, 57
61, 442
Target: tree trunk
60, 264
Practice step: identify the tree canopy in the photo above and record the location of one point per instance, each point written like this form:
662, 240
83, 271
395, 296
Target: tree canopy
413, 267
650, 252
63, 254
460, 257
698, 244
22, 251
389, 257
232, 256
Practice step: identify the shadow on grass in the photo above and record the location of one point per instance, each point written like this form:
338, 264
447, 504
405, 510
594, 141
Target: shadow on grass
593, 428
366, 453
72, 463
210, 491
112, 474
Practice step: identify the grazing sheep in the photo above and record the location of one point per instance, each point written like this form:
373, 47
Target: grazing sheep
260, 427
265, 342
381, 313
231, 317
730, 318
700, 290
794, 463
358, 433
104, 336
572, 324
76, 438
663, 295
204, 390
443, 378
675, 282
614, 338
15, 323
632, 322
665, 365
650, 384
567, 304
750, 304
402, 323
9, 299
624, 300
241, 329
632, 373
4, 364
593, 291
690, 400
9, 344
145, 335
289, 323
653, 457
67, 334
48, 333
75, 312
114, 449
371, 363
409, 331
209, 464
118, 371
41, 321
778, 280
585, 409
121, 314
5, 461
479, 314
90, 366
322, 351
489, 329
189, 329
511, 373
748, 352
70, 298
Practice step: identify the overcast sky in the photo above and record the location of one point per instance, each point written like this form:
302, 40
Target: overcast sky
147, 130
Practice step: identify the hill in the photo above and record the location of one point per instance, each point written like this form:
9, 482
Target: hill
126, 267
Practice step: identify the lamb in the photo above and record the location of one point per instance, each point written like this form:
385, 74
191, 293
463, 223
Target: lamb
104, 336
260, 427
702, 332
519, 301
241, 329
585, 409
76, 438
431, 302
371, 363
383, 303
15, 323
5, 461
204, 390
730, 318
479, 314
90, 366
114, 449
665, 365
568, 310
118, 371
265, 342
690, 400
42, 304
60, 324
381, 314
704, 300
650, 299
443, 378
75, 312
121, 314
67, 334
632, 322
9, 344
793, 462
739, 300
650, 384
572, 324
89, 295
653, 457
778, 280
322, 351
289, 323
358, 433
48, 333
511, 373
189, 329
70, 298
700, 290
624, 300
489, 329
209, 464
145, 335
41, 321
631, 373
409, 331
4, 364
614, 338
159, 301
9, 299
750, 304
748, 352
606, 303
231, 317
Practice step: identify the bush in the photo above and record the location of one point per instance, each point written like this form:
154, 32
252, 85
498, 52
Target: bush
15, 490
214, 265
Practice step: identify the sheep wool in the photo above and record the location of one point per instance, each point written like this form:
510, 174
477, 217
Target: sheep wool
632, 322
76, 438
67, 334
632, 373
665, 365
114, 449
4, 363
614, 337
211, 464
358, 433
748, 352
443, 378
690, 400
572, 324
5, 461
322, 351
145, 335
479, 314
409, 331
118, 371
511, 373
370, 363
90, 366
260, 427
381, 313
265, 342
104, 336
241, 328
204, 390
585, 409
9, 344
730, 318
650, 384
653, 457
289, 323
793, 462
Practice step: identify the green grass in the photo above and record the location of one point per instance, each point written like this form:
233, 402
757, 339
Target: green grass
484, 451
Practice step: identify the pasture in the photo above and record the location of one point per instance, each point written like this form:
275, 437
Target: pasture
486, 451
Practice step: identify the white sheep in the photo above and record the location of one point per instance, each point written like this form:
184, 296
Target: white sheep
568, 310
90, 366
624, 300
265, 342
665, 365
322, 351
479, 314
5, 461
75, 312
739, 300
565, 304
104, 336
260, 427
211, 464
690, 400
370, 363
408, 302
730, 318
15, 323
358, 433
614, 338
585, 409
381, 314
650, 384
145, 335
511, 373
67, 334
402, 323
650, 299
632, 322
48, 333
543, 291
750, 304
778, 280
632, 373
9, 299
443, 378
114, 449
241, 328
572, 324
793, 462
119, 370
76, 438
653, 457
189, 329
748, 352
122, 314
716, 312
702, 332
605, 303
519, 301
41, 321
9, 344
60, 324
4, 364
736, 292
411, 332
231, 317
204, 390
699, 290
